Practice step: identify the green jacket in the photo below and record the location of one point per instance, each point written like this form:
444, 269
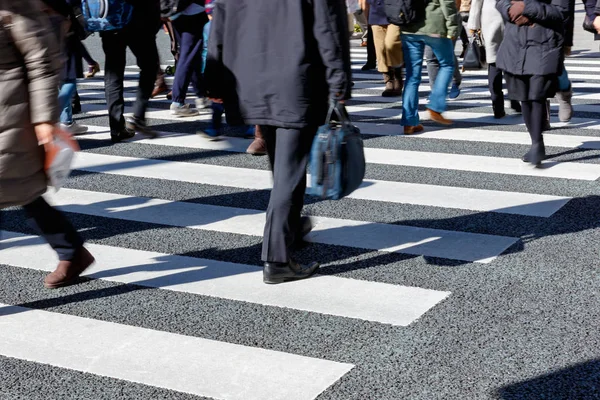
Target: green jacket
441, 19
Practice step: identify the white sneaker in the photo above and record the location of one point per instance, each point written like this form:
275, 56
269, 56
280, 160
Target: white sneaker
183, 111
203, 103
74, 128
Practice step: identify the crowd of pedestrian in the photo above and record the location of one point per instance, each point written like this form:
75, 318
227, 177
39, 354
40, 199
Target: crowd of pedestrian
272, 68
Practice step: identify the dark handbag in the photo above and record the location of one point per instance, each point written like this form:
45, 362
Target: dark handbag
588, 26
475, 58
337, 159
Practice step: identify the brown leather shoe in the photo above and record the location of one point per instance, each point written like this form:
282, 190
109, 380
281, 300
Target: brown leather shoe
437, 117
68, 272
159, 89
409, 130
258, 147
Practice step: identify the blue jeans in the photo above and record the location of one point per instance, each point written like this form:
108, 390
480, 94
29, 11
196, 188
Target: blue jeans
205, 45
564, 84
65, 99
413, 47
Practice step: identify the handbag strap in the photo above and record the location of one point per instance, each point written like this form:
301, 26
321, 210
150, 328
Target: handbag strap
339, 109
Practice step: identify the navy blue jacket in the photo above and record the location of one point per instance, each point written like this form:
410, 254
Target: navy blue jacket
279, 62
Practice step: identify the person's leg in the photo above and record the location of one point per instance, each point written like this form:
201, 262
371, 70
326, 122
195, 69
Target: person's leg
371, 53
190, 30
142, 43
413, 47
289, 159
114, 47
393, 49
433, 66
564, 97
379, 32
65, 101
444, 52
54, 228
534, 114
86, 54
495, 88
457, 76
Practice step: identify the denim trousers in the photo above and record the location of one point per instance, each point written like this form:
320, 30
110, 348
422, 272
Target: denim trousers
65, 99
414, 47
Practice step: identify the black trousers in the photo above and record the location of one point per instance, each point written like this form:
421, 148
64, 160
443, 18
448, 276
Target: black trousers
535, 116
55, 228
495, 86
141, 40
371, 54
289, 151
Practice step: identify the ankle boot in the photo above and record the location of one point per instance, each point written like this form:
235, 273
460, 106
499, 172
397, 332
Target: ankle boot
258, 147
398, 81
565, 108
68, 272
547, 126
388, 79
498, 107
536, 154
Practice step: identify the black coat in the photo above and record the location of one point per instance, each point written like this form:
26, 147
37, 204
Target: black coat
279, 62
592, 8
536, 49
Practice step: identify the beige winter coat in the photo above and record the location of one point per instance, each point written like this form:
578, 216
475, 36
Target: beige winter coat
28, 95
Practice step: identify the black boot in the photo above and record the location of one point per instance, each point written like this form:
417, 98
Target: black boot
498, 107
536, 154
516, 106
274, 273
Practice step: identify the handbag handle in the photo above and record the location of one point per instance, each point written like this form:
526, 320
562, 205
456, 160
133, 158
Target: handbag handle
339, 109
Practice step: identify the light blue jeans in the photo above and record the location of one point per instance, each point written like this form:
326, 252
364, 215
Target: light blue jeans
65, 100
205, 44
413, 47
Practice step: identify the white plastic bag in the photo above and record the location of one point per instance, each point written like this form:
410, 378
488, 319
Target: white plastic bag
59, 158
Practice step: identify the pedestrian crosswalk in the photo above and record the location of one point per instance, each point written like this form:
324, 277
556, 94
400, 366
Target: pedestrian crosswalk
176, 300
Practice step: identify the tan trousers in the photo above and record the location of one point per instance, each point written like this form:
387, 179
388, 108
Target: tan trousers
388, 47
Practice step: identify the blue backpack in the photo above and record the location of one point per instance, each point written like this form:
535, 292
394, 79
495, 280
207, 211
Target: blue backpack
337, 159
106, 15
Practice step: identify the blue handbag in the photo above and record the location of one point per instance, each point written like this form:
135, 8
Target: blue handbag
337, 159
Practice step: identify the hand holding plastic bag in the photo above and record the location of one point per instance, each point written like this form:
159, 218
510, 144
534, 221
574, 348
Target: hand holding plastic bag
59, 156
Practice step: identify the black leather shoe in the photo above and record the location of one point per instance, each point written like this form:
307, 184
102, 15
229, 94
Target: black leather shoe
123, 135
536, 154
274, 273
368, 66
137, 125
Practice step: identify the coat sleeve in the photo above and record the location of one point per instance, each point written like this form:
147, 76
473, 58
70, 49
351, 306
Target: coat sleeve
597, 9
214, 76
474, 22
553, 15
32, 36
451, 14
331, 32
502, 6
590, 7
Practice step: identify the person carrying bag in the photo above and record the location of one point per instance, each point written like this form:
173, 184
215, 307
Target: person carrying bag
28, 97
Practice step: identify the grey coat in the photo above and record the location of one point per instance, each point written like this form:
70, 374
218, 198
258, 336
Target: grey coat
535, 49
28, 96
486, 17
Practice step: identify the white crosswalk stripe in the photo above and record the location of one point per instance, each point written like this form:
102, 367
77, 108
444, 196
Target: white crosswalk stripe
448, 173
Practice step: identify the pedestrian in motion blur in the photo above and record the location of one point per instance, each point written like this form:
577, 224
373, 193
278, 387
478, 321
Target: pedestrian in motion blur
532, 58
29, 67
286, 90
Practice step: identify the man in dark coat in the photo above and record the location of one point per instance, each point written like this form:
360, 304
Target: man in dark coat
279, 63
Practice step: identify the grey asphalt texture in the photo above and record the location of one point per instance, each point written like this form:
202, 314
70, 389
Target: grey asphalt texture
526, 326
